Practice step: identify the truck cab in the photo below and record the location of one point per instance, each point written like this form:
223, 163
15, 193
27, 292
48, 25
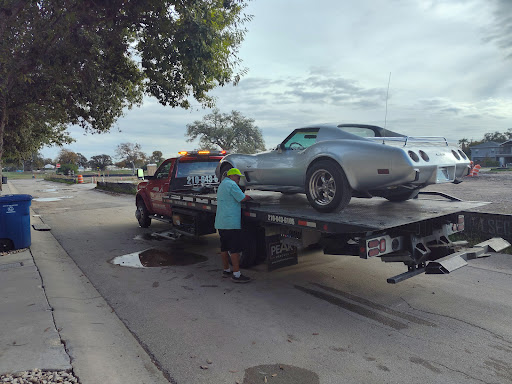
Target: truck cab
191, 171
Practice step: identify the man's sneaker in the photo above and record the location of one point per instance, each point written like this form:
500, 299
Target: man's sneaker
227, 274
241, 279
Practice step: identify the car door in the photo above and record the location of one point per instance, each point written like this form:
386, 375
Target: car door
159, 186
286, 165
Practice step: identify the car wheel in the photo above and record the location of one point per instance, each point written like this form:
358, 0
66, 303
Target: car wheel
142, 214
403, 195
327, 187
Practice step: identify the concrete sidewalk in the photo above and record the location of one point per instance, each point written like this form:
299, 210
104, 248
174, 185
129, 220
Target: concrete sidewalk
52, 318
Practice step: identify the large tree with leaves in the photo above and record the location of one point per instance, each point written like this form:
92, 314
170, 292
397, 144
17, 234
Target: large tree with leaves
84, 62
131, 154
67, 157
100, 162
232, 132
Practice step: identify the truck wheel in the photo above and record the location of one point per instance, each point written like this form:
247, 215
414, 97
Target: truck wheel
403, 195
327, 187
142, 214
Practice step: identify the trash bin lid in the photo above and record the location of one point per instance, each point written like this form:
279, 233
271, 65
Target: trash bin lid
14, 198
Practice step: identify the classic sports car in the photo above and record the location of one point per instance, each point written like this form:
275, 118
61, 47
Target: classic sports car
331, 163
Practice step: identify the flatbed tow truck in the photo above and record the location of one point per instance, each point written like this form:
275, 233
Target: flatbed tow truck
415, 232
275, 225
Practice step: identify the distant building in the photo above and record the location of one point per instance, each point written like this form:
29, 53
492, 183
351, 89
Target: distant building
484, 151
49, 166
504, 154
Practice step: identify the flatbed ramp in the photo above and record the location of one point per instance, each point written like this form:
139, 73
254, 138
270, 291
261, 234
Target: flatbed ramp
361, 215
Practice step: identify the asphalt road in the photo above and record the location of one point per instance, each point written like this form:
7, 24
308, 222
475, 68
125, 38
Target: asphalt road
329, 319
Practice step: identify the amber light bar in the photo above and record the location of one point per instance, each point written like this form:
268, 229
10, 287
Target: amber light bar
202, 153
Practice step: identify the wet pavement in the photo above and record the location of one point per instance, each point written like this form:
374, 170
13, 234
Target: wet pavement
157, 257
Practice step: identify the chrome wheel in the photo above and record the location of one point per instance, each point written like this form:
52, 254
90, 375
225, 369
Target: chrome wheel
322, 187
327, 188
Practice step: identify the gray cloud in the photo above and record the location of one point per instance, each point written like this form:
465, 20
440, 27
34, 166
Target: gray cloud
500, 32
452, 110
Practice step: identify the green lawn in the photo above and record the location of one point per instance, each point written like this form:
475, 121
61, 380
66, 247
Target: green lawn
19, 175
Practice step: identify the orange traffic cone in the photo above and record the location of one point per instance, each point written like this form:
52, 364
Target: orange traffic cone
80, 179
475, 170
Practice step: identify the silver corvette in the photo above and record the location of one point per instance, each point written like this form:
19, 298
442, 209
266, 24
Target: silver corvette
333, 163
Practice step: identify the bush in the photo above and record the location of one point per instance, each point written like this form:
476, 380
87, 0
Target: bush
67, 169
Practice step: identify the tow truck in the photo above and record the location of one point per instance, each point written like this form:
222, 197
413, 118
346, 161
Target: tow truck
275, 225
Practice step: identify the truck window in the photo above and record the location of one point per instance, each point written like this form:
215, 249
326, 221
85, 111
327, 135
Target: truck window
163, 171
196, 173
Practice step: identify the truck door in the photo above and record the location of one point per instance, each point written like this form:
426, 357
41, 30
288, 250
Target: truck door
158, 186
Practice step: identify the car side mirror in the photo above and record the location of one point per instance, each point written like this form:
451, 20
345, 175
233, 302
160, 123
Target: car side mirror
280, 148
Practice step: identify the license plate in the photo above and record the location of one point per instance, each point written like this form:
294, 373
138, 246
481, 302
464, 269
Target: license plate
204, 179
445, 174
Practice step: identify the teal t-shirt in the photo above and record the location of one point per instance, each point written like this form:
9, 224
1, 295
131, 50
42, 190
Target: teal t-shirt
229, 196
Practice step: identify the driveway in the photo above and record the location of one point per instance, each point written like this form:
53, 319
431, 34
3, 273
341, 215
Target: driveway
329, 319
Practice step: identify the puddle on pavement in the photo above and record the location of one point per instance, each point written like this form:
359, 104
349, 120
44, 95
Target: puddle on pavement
45, 199
47, 190
155, 257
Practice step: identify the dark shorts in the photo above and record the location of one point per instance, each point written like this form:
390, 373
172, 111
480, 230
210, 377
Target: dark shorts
231, 240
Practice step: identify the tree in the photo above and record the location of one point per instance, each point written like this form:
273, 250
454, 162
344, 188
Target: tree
232, 132
67, 157
82, 160
131, 154
464, 145
34, 161
100, 162
121, 164
156, 157
498, 137
84, 62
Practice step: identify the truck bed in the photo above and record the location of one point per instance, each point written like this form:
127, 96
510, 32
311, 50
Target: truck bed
361, 215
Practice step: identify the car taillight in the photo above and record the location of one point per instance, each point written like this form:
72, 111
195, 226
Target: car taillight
414, 156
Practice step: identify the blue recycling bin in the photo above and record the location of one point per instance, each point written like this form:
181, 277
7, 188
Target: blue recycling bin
15, 222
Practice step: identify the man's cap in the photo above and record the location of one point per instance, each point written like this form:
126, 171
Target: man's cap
235, 171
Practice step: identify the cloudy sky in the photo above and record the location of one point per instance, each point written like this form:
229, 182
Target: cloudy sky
450, 63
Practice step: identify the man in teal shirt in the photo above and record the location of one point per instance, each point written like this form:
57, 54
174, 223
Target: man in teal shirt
228, 222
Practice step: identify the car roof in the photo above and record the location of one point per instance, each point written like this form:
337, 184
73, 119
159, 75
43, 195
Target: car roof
333, 127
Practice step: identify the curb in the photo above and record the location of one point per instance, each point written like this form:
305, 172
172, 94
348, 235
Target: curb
100, 347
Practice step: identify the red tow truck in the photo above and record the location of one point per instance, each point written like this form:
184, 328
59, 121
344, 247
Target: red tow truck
275, 225
191, 172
